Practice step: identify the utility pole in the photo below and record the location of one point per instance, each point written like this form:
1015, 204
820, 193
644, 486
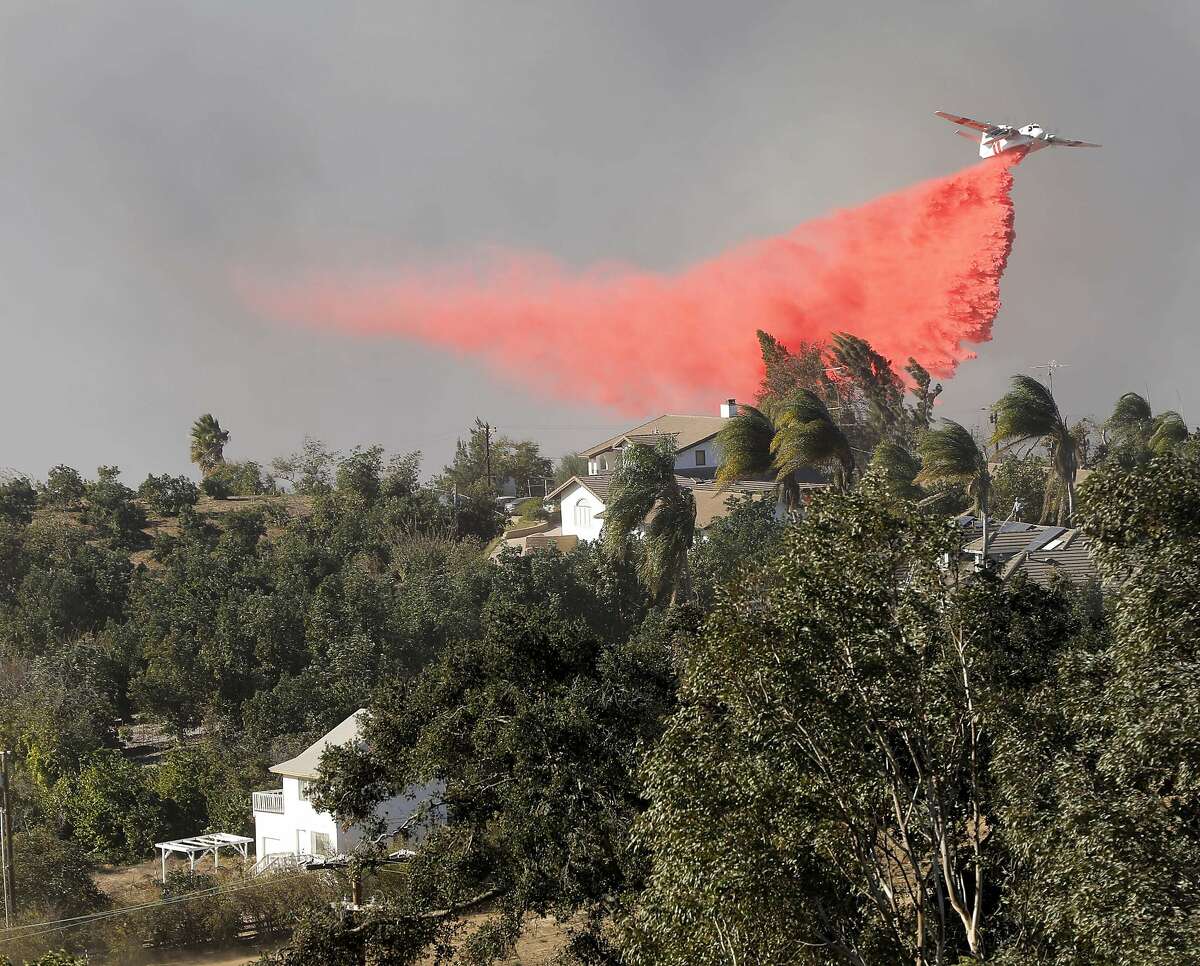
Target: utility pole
487, 452
6, 846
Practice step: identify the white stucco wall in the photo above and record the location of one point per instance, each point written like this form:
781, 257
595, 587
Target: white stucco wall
293, 830
685, 459
572, 505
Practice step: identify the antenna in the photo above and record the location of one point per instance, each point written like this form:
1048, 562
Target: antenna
1050, 367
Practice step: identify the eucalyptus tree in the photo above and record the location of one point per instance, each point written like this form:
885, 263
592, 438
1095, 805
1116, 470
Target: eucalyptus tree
208, 443
823, 793
1028, 413
646, 498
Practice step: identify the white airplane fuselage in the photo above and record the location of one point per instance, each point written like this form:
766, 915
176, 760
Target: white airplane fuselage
1030, 138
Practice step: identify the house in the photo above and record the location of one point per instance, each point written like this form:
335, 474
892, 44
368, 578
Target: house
285, 821
694, 437
1042, 553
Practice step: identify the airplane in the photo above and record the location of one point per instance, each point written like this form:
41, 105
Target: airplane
997, 138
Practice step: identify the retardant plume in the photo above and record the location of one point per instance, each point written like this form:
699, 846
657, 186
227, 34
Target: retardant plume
916, 273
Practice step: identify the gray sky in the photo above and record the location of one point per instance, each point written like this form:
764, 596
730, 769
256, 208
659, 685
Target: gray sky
152, 150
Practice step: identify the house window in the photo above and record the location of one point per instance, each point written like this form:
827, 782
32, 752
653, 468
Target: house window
303, 788
322, 843
701, 457
583, 514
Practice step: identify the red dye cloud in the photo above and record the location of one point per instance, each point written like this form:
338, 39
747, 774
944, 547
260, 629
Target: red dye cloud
916, 273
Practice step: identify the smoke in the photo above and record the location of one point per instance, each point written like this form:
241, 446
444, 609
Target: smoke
916, 273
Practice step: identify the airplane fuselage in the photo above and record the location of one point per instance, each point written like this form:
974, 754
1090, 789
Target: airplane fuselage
1030, 138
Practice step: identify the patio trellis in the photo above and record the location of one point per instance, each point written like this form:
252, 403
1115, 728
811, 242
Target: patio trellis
198, 845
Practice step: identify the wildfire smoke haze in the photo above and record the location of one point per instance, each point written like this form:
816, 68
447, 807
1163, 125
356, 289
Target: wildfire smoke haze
915, 272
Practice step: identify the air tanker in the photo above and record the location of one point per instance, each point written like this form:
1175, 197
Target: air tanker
997, 138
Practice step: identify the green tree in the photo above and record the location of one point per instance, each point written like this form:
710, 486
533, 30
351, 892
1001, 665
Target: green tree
208, 443
1099, 806
744, 538
18, 499
822, 793
64, 488
111, 511
53, 876
310, 470
1019, 488
786, 372
112, 811
1028, 413
646, 499
529, 730
237, 478
572, 464
896, 468
168, 495
361, 473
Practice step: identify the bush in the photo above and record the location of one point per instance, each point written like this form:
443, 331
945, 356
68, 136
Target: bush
205, 919
532, 509
168, 495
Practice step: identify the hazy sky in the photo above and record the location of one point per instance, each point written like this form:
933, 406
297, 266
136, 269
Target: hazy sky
153, 151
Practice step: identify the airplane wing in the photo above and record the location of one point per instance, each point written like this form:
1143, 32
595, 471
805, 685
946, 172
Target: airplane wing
1068, 143
968, 135
965, 121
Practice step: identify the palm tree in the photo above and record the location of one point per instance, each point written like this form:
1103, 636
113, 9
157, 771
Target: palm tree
951, 455
644, 494
808, 436
1169, 431
1027, 413
208, 443
1135, 426
797, 433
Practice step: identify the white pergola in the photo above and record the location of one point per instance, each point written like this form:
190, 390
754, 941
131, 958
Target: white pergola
196, 847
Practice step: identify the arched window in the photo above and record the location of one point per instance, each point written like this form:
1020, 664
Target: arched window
583, 514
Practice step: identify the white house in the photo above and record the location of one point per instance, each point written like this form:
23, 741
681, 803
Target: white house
286, 822
694, 437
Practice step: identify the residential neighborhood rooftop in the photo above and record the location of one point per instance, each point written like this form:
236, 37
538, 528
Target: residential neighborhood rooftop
687, 430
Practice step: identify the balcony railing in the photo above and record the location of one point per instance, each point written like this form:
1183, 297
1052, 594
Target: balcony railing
269, 801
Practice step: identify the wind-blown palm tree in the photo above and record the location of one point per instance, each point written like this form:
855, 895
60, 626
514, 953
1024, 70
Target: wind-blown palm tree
1027, 413
645, 495
808, 436
208, 443
951, 455
1135, 426
796, 434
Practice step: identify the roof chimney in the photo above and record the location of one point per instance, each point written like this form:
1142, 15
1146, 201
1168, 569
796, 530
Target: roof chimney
728, 409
